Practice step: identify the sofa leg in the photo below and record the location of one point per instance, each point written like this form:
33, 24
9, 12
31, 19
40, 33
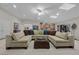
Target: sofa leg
65, 47
8, 48
25, 47
72, 47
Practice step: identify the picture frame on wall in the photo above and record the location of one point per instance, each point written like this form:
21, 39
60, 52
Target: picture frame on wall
16, 27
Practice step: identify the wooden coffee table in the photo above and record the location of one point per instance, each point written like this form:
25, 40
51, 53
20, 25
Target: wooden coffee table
41, 44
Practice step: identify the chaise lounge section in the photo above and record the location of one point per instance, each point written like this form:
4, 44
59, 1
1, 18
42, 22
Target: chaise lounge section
62, 43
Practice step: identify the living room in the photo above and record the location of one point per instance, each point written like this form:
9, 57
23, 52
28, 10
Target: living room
39, 28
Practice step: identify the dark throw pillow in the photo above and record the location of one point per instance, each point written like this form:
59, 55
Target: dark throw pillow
31, 32
52, 32
45, 32
26, 32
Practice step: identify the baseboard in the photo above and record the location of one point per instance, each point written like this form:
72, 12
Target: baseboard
2, 38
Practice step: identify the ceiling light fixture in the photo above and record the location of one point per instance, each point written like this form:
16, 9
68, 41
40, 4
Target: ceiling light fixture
57, 14
67, 6
39, 10
39, 14
42, 13
14, 6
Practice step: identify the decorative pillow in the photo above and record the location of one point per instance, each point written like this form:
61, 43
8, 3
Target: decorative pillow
31, 32
17, 36
62, 35
52, 32
45, 32
69, 34
38, 32
12, 37
21, 34
28, 32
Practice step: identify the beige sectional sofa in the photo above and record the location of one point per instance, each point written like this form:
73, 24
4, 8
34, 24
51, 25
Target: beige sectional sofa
61, 39
17, 40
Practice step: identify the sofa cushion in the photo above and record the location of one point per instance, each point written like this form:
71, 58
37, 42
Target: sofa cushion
21, 34
62, 35
40, 36
57, 39
17, 36
23, 39
38, 32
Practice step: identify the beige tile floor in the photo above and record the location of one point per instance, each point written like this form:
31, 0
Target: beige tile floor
32, 51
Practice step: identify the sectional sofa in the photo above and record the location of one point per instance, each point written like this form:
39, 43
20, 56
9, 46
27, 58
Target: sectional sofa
19, 40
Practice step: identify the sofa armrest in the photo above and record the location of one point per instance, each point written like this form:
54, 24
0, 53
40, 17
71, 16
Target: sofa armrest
9, 38
71, 38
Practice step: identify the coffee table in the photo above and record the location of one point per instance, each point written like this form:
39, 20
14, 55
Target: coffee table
41, 44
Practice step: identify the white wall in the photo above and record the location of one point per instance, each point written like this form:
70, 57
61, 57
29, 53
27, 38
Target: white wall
25, 25
71, 21
6, 23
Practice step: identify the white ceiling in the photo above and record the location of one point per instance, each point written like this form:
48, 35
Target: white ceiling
25, 11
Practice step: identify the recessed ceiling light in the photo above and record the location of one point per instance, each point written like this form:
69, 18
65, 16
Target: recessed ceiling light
67, 6
24, 15
39, 14
57, 14
14, 6
38, 9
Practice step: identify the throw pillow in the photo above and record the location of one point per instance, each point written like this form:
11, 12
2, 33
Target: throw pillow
62, 35
45, 32
52, 32
38, 32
